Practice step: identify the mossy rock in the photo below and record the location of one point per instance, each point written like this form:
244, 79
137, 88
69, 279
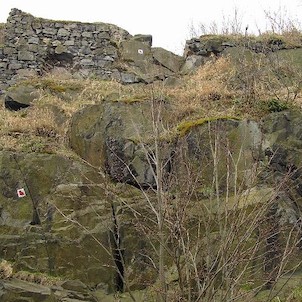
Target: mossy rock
112, 136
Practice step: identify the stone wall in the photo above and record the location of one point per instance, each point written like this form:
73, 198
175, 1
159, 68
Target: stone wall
33, 46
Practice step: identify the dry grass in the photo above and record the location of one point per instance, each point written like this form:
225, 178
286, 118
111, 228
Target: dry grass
242, 86
38, 278
6, 270
43, 126
202, 91
33, 129
249, 85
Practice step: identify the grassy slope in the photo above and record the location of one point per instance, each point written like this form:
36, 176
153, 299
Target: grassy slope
246, 85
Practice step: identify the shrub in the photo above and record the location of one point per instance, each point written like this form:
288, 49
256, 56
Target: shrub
275, 105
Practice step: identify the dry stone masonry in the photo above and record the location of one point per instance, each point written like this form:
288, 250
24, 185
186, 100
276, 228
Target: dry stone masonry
33, 46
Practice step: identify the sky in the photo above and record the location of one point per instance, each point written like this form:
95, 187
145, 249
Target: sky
169, 22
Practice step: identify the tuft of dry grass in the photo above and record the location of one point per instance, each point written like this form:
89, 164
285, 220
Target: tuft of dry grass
43, 126
6, 270
245, 85
39, 278
205, 93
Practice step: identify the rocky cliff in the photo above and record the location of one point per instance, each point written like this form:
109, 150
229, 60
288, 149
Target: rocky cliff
104, 186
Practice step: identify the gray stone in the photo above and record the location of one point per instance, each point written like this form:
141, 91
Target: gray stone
62, 32
23, 94
60, 49
69, 43
74, 285
168, 59
108, 58
33, 47
128, 78
103, 35
33, 40
143, 38
26, 56
9, 50
49, 31
56, 43
15, 66
135, 51
87, 34
87, 62
191, 63
103, 63
84, 51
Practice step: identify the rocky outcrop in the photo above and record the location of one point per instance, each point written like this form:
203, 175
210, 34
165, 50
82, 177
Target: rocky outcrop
38, 232
66, 223
109, 136
115, 137
200, 50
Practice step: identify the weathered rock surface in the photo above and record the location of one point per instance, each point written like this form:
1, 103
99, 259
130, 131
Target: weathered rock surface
20, 97
109, 136
37, 231
113, 136
199, 50
17, 290
76, 204
66, 223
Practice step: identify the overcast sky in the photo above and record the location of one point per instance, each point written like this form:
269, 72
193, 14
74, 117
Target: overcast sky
167, 21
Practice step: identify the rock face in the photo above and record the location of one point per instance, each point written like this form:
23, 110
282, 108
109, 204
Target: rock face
34, 45
119, 138
114, 137
66, 224
37, 232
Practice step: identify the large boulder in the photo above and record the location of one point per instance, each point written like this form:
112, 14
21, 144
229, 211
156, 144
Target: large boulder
168, 59
20, 96
226, 146
118, 138
148, 64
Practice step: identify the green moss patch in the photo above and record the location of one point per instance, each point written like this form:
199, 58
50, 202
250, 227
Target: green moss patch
186, 126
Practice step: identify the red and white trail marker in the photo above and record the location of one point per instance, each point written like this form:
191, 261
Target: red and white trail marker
21, 193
